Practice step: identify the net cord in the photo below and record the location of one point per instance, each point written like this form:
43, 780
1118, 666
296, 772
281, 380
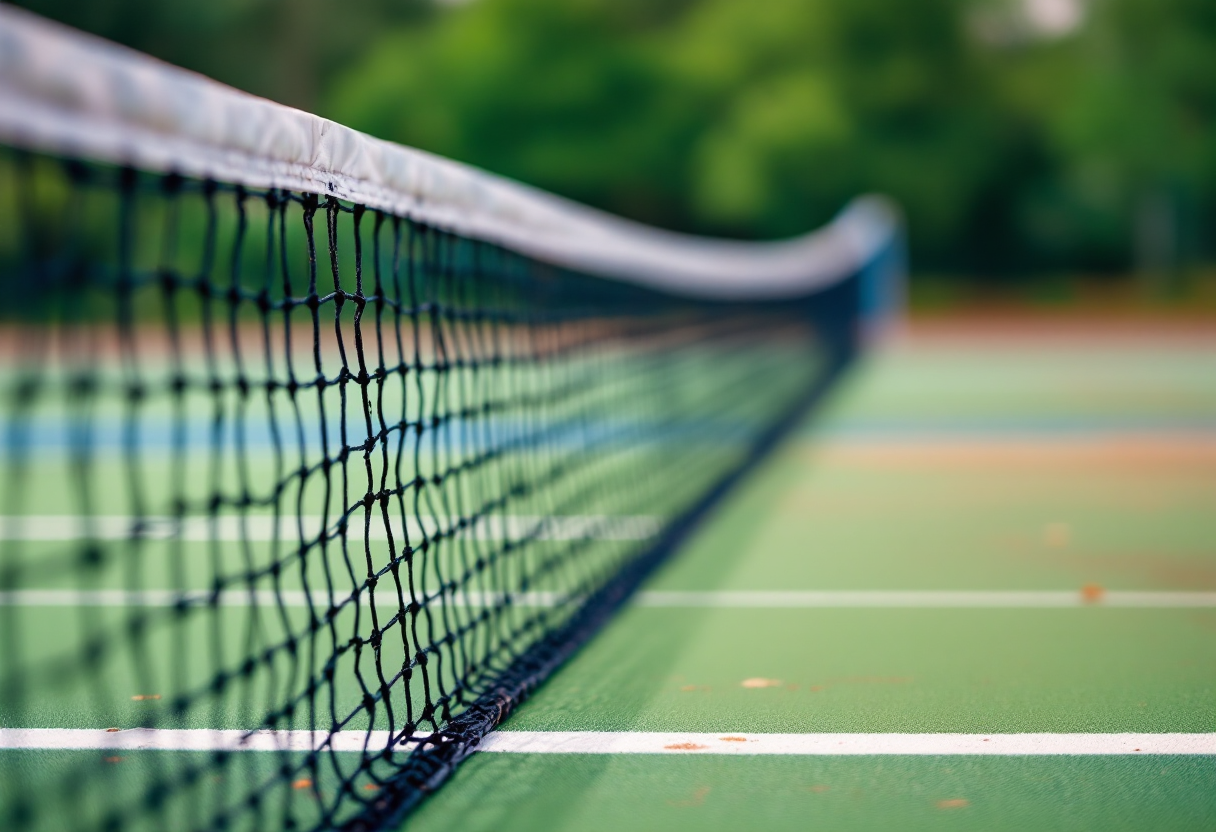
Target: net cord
81, 96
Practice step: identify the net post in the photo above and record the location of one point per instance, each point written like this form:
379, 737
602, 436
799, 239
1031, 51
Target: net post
883, 286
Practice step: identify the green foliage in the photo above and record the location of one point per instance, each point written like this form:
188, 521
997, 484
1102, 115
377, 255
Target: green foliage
754, 119
761, 119
281, 49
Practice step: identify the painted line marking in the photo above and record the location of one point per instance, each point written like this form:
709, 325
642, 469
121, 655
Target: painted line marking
778, 599
192, 739
386, 596
931, 599
629, 742
293, 529
596, 742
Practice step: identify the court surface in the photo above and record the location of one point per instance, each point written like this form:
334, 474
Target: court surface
978, 589
988, 530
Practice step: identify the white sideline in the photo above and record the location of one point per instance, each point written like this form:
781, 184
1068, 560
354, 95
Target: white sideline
928, 598
602, 742
72, 93
627, 742
385, 596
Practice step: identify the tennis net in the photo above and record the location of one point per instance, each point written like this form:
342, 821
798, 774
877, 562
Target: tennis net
321, 453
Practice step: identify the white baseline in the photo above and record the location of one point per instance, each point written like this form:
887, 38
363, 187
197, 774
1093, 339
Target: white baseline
627, 742
639, 742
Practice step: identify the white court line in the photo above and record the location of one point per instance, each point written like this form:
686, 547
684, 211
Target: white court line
289, 529
931, 599
630, 742
189, 739
386, 596
780, 599
638, 742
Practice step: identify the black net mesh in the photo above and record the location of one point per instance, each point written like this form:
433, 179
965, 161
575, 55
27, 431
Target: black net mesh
317, 494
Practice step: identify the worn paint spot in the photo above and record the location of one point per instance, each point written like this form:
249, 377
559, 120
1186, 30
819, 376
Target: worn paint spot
761, 683
112, 730
685, 746
733, 739
113, 759
953, 803
145, 697
1092, 593
697, 798
1057, 535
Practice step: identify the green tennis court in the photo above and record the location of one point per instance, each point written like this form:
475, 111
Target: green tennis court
349, 487
975, 535
1079, 465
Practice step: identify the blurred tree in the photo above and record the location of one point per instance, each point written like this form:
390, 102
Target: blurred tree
571, 97
280, 49
1056, 143
1134, 130
751, 119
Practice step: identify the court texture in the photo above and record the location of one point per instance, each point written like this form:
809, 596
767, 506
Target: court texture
978, 591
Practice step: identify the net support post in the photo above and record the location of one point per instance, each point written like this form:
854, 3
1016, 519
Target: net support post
883, 289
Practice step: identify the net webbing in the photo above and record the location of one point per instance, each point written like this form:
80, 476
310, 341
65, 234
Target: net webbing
279, 463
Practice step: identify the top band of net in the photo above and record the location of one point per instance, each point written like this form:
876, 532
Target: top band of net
85, 96
320, 453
